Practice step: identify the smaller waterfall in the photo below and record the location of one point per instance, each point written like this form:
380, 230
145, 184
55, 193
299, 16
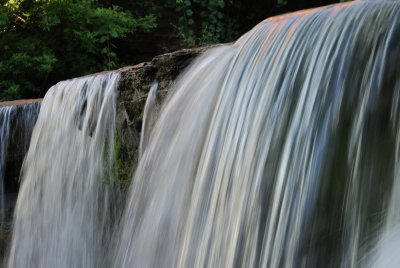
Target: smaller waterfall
149, 116
5, 115
16, 124
67, 198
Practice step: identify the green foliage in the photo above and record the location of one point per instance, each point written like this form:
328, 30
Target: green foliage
24, 62
43, 41
117, 169
282, 3
204, 22
122, 172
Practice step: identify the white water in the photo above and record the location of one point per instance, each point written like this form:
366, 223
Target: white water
66, 199
149, 116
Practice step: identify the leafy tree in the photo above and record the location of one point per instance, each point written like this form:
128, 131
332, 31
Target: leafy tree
204, 22
198, 22
44, 41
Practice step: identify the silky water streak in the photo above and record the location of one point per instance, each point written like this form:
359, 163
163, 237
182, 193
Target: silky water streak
65, 207
16, 125
277, 151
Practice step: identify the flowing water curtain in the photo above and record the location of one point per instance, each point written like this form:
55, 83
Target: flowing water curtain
149, 116
67, 199
5, 118
16, 125
25, 121
277, 151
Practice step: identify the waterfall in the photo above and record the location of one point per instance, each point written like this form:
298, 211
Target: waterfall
67, 196
149, 116
5, 122
16, 124
280, 150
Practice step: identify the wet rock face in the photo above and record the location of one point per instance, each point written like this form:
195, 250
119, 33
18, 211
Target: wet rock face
136, 80
133, 89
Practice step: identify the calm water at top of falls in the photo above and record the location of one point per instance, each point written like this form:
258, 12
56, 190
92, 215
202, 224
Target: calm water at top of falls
281, 150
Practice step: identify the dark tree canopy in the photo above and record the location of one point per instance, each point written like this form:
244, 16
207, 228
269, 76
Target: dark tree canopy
45, 41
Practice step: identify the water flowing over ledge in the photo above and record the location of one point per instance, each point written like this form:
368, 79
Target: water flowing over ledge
16, 124
277, 151
66, 197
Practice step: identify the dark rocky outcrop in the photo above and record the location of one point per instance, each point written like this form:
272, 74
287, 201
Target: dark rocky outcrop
133, 88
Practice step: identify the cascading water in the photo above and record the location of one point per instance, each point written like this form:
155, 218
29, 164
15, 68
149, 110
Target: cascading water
277, 151
67, 198
5, 116
16, 124
149, 116
281, 150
